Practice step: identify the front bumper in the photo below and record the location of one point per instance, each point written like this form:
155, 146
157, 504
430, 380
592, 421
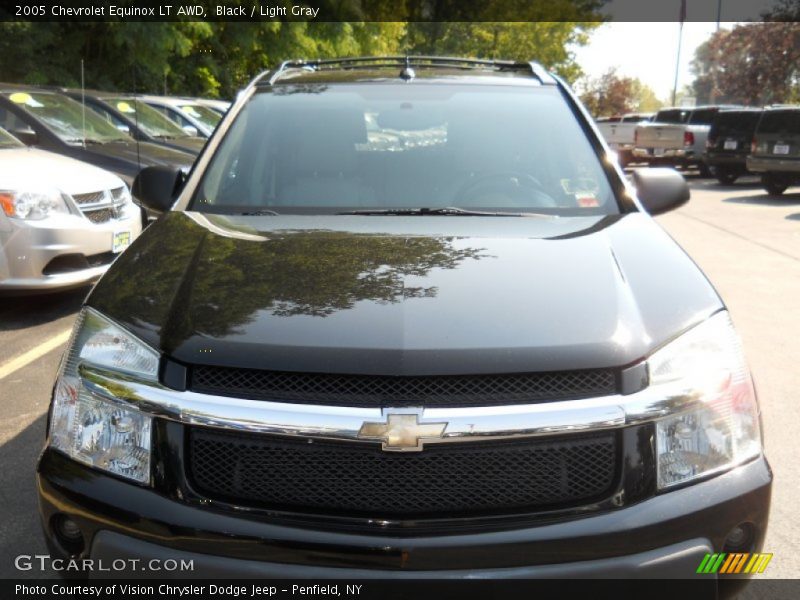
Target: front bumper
27, 249
666, 535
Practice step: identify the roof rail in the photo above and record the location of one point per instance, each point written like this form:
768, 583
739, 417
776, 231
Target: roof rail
417, 62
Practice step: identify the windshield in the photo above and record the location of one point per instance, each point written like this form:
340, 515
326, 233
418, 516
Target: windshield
739, 123
67, 118
9, 141
674, 115
149, 120
780, 121
320, 149
201, 113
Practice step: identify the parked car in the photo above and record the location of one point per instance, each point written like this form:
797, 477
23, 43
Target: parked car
191, 115
62, 221
619, 133
220, 106
138, 119
775, 153
399, 334
676, 137
52, 121
728, 142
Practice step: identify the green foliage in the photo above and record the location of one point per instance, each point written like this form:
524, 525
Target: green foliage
218, 58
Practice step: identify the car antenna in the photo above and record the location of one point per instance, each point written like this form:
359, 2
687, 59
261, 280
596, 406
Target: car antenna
83, 105
136, 120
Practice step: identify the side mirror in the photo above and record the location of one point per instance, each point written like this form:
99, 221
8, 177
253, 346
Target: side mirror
191, 130
26, 136
660, 189
157, 187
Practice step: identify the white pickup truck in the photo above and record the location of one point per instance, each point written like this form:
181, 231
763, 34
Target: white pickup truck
619, 132
676, 136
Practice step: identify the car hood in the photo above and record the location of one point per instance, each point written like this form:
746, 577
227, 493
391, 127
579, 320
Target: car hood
27, 168
405, 295
145, 154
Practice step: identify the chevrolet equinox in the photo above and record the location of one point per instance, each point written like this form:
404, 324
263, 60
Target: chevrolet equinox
406, 317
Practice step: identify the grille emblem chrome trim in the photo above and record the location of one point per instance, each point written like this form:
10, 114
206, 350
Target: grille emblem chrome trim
402, 431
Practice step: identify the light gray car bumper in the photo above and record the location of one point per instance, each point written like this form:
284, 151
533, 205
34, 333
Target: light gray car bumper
28, 247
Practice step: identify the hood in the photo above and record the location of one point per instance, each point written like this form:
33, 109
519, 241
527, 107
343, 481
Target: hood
405, 295
127, 158
24, 168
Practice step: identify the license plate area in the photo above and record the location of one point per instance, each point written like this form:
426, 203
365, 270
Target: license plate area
120, 240
780, 149
730, 145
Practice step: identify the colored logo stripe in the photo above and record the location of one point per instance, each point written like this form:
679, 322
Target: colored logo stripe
735, 562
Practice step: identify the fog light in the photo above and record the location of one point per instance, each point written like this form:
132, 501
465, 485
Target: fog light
68, 534
740, 538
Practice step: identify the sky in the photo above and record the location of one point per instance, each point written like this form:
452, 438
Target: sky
645, 50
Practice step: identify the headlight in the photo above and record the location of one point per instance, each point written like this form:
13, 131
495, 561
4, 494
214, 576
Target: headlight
97, 432
32, 205
723, 429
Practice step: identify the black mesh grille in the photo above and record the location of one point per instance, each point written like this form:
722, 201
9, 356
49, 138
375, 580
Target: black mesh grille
369, 390
351, 479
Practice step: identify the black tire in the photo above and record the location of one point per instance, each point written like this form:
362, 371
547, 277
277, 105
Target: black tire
774, 185
726, 177
704, 170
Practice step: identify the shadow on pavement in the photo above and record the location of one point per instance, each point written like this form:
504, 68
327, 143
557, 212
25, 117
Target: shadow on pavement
20, 312
766, 200
794, 217
21, 532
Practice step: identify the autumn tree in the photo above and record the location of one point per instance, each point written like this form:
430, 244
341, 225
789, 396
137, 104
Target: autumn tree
614, 94
753, 64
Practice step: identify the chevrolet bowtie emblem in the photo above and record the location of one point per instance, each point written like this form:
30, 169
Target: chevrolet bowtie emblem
402, 432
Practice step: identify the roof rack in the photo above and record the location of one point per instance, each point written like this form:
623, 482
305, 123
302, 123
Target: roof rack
405, 62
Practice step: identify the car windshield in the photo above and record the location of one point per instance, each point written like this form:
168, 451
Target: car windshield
9, 141
67, 118
735, 123
780, 121
201, 113
327, 149
149, 120
672, 116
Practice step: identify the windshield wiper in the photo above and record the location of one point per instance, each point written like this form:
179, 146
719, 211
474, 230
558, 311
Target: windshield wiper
423, 212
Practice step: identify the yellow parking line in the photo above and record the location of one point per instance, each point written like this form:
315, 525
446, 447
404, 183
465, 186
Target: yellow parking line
23, 360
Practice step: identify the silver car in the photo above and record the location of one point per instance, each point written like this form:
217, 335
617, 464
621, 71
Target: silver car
62, 221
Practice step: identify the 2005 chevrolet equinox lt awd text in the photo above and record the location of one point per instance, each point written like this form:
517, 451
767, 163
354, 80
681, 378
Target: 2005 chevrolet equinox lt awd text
406, 317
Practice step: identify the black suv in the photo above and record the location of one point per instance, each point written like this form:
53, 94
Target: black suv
776, 149
406, 318
728, 143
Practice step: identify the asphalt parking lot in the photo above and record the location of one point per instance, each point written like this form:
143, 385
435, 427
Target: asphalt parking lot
747, 242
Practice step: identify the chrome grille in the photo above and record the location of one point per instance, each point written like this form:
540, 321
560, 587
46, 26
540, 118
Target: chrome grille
427, 391
102, 215
90, 198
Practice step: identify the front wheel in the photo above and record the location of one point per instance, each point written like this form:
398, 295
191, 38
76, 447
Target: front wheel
774, 185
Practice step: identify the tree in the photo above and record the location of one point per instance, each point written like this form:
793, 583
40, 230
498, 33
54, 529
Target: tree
612, 94
753, 64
